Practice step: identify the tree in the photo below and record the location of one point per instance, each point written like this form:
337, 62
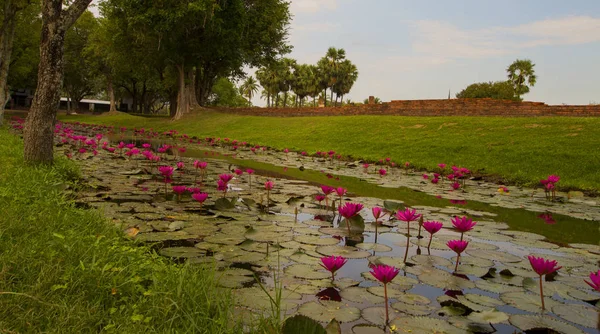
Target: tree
500, 90
522, 76
81, 71
347, 74
224, 94
249, 88
39, 125
12, 11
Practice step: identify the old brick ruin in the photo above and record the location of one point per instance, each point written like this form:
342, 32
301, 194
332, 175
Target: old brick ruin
445, 107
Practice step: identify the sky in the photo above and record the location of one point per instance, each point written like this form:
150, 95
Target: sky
423, 49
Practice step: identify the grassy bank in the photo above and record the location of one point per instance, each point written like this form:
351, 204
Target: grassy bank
518, 149
66, 270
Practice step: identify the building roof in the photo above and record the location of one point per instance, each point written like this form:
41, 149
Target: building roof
64, 99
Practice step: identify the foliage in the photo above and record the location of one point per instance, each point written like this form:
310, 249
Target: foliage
521, 75
81, 74
66, 269
26, 50
500, 90
224, 94
249, 88
333, 72
517, 149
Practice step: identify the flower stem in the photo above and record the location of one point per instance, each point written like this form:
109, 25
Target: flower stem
348, 224
429, 244
457, 260
542, 293
461, 235
387, 317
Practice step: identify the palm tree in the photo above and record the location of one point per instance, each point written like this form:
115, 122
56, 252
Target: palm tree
346, 77
522, 76
249, 88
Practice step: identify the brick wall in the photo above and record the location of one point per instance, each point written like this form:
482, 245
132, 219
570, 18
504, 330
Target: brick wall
453, 107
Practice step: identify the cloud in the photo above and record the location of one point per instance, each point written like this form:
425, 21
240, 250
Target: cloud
312, 6
444, 39
323, 27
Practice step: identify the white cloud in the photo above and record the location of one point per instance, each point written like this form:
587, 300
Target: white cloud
447, 40
312, 6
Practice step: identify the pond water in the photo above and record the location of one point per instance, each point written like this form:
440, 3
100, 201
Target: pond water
494, 289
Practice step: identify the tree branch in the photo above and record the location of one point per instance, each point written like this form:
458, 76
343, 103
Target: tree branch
72, 13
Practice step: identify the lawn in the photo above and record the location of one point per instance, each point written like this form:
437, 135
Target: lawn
519, 150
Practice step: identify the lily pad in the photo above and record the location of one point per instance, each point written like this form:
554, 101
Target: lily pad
316, 240
367, 329
425, 325
494, 287
483, 300
256, 298
224, 239
488, 317
234, 278
446, 281
326, 310
413, 299
374, 247
579, 314
360, 295
537, 322
527, 302
306, 272
345, 251
182, 252
376, 315
494, 255
300, 324
431, 260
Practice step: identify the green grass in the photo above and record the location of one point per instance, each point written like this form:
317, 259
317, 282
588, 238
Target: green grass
67, 270
521, 150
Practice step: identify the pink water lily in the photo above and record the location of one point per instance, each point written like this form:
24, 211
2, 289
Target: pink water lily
463, 224
180, 165
268, 187
384, 274
327, 190
348, 211
333, 263
200, 198
432, 227
458, 246
595, 281
226, 177
542, 267
382, 172
179, 190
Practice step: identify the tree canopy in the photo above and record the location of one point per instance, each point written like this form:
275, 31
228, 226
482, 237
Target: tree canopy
521, 75
500, 90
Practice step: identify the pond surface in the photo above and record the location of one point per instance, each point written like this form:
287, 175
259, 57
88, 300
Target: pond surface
494, 289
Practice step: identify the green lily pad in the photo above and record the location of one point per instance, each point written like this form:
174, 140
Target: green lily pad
460, 301
534, 244
488, 317
494, 255
579, 314
494, 287
360, 295
446, 281
452, 311
345, 251
376, 315
367, 329
483, 300
537, 322
303, 258
269, 236
466, 269
316, 240
379, 291
523, 235
431, 260
470, 326
224, 239
306, 272
325, 310
234, 278
527, 302
182, 252
474, 261
413, 299
300, 324
374, 247
425, 325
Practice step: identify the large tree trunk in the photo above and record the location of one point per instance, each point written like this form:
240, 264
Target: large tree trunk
6, 46
172, 104
191, 89
182, 100
111, 94
39, 126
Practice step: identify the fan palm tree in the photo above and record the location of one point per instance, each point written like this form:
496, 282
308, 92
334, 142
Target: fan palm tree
249, 88
521, 75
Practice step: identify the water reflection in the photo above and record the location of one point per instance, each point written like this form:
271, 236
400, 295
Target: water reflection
547, 218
